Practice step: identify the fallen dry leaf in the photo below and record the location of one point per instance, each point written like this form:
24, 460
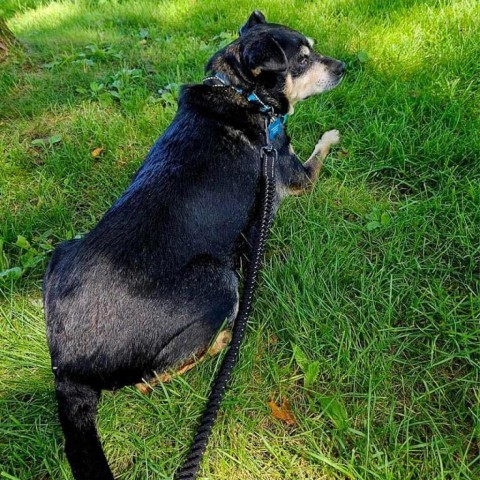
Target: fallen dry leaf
282, 412
272, 339
97, 152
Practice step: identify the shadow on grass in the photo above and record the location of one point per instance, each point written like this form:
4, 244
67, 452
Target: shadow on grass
76, 26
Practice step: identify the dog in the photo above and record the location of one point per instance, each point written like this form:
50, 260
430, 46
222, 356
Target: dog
148, 289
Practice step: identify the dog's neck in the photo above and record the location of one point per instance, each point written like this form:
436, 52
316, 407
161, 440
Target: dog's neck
275, 121
252, 91
219, 80
224, 104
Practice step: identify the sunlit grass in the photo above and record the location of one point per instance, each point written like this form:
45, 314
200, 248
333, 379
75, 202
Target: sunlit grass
375, 274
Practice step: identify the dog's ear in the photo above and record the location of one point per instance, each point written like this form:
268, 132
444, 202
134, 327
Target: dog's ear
264, 54
255, 18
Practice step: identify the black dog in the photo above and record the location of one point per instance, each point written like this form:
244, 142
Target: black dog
149, 288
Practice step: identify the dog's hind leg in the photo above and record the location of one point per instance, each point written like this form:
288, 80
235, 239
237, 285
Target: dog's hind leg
77, 406
220, 343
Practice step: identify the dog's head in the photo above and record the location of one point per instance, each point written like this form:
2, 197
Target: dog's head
277, 62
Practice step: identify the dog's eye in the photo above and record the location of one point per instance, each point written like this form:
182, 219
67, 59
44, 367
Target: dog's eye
304, 61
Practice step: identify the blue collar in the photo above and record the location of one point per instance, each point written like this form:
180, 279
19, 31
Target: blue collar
276, 121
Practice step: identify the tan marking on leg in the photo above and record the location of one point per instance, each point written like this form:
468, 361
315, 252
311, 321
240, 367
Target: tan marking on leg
144, 388
314, 164
297, 191
322, 149
221, 342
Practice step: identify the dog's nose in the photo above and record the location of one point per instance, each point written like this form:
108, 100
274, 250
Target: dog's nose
339, 68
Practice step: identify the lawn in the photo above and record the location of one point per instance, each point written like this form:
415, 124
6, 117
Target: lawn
367, 317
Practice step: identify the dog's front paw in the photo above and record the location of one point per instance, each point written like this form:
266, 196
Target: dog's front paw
328, 139
332, 137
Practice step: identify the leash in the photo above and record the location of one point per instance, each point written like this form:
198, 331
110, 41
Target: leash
268, 157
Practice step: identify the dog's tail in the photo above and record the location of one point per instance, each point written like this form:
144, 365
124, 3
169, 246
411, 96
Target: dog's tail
77, 408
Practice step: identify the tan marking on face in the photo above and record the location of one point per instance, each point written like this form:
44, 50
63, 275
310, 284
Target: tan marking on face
256, 71
304, 50
311, 42
315, 80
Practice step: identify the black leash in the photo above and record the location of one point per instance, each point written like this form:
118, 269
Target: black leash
190, 467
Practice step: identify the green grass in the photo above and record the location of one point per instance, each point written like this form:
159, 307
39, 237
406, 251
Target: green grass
374, 275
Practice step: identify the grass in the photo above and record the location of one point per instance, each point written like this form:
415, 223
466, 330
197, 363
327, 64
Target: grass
373, 278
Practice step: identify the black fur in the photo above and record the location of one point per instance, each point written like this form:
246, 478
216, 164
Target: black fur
152, 283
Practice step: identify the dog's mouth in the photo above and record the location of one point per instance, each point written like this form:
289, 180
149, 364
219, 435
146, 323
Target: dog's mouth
331, 84
337, 71
326, 84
